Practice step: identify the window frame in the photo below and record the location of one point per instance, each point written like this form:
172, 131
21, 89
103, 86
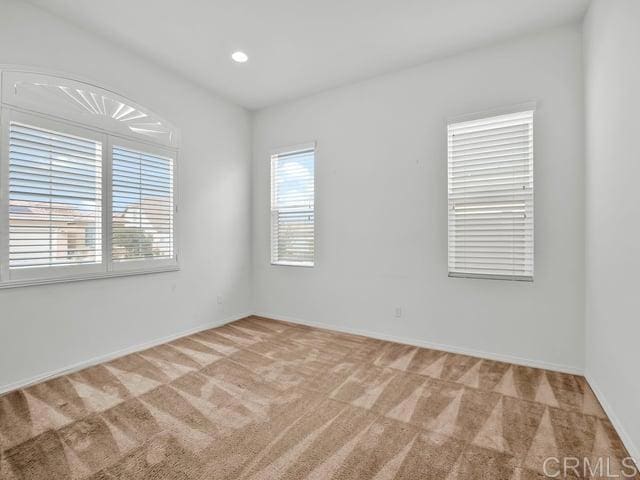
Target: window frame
10, 278
143, 265
487, 114
289, 150
46, 272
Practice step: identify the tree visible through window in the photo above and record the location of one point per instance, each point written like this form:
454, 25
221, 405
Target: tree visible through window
142, 205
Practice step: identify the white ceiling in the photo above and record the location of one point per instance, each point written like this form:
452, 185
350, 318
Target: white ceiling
298, 47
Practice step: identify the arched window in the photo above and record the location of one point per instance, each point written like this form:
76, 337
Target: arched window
88, 182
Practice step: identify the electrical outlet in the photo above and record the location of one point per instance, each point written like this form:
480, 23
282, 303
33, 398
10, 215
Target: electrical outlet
219, 299
398, 312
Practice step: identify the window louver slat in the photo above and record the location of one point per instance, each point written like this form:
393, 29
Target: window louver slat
293, 208
142, 206
55, 198
491, 197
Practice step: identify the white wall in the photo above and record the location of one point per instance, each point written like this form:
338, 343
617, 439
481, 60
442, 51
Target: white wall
612, 60
47, 328
382, 205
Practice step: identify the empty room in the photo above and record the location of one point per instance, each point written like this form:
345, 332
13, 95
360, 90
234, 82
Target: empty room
319, 240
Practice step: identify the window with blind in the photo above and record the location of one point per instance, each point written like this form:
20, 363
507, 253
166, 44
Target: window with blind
293, 207
142, 206
490, 191
55, 198
87, 184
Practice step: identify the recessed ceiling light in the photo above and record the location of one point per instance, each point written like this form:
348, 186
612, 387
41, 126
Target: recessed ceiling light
239, 57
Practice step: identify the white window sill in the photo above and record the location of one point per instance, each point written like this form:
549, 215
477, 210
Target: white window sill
489, 276
293, 264
87, 276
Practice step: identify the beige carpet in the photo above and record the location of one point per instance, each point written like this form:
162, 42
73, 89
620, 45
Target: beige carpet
260, 399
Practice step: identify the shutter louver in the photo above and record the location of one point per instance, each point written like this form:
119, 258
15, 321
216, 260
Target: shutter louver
142, 206
490, 190
293, 208
55, 198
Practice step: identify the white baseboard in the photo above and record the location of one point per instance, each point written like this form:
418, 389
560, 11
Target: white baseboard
434, 346
119, 353
629, 444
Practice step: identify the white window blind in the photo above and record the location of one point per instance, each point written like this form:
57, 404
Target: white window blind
490, 189
293, 207
55, 198
142, 205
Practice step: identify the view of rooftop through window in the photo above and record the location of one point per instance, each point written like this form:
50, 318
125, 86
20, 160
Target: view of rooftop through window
55, 198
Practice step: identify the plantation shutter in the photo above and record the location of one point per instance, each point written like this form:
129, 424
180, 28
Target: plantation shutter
55, 198
293, 208
142, 206
490, 191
